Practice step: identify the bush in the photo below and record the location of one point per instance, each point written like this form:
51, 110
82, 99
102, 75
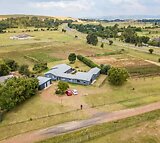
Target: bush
4, 70
39, 67
24, 70
159, 60
117, 76
62, 87
86, 61
11, 64
92, 39
151, 51
72, 57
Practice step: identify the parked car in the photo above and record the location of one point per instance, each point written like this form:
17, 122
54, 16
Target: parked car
75, 92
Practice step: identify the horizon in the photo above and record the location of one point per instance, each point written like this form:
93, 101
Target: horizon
82, 8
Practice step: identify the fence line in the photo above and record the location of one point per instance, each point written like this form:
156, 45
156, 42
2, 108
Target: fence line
72, 111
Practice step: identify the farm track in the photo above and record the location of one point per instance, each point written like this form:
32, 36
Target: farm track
42, 134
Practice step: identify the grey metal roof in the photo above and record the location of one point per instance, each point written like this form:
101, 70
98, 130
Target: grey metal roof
43, 80
4, 78
60, 70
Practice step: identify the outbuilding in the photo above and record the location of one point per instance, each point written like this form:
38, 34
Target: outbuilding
44, 82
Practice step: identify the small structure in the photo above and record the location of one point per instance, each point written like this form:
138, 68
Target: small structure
21, 37
69, 92
63, 72
44, 82
4, 78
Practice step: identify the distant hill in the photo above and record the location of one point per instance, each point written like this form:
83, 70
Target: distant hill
23, 15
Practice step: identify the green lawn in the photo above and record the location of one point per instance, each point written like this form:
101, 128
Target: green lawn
116, 98
36, 107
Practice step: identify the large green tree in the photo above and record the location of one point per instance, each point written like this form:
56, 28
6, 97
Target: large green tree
72, 57
62, 87
117, 76
92, 39
16, 91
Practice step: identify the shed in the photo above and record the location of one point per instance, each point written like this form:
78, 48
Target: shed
44, 82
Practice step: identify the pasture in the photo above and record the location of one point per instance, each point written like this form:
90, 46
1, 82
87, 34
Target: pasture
54, 47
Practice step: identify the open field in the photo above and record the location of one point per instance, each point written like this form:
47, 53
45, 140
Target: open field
47, 103
138, 129
54, 47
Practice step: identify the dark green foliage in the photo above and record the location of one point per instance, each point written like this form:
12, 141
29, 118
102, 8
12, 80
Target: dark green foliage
72, 57
117, 76
11, 64
16, 91
102, 45
63, 30
105, 69
26, 21
39, 67
151, 51
92, 39
24, 70
62, 87
159, 60
87, 61
4, 70
91, 64
98, 30
110, 42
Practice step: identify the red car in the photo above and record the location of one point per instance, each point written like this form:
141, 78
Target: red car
69, 92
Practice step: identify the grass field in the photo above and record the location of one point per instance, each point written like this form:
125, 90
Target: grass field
54, 47
138, 129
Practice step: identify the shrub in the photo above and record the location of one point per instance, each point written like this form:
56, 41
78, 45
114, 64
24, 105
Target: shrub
92, 39
62, 87
39, 67
72, 57
4, 70
151, 51
117, 76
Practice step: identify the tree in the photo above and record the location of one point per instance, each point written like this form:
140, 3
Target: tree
151, 51
39, 67
92, 39
102, 45
62, 87
11, 64
117, 76
24, 70
110, 42
4, 70
72, 57
105, 69
16, 91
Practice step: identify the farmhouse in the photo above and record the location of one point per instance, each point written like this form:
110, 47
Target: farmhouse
4, 78
21, 37
44, 82
65, 73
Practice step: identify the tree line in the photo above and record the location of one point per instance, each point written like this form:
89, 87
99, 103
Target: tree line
24, 22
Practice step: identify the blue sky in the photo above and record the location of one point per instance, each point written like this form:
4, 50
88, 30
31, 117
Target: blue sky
81, 8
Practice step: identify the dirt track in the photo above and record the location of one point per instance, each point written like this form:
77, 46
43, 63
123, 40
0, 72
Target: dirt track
38, 135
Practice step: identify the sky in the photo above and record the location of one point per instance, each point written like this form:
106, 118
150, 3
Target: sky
80, 8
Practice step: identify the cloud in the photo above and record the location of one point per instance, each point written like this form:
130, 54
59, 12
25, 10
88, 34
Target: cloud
70, 5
